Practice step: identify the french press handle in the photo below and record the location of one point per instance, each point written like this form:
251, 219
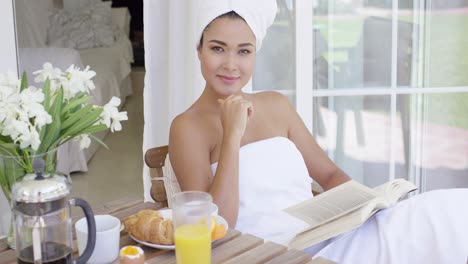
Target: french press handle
91, 223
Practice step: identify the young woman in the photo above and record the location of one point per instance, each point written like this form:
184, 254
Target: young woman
224, 118
252, 152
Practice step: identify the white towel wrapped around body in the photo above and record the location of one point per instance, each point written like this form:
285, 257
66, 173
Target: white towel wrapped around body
272, 177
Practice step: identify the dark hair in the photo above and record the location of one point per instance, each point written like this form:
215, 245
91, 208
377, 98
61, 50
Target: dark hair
230, 15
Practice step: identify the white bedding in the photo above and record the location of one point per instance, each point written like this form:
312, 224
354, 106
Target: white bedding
428, 228
112, 65
32, 59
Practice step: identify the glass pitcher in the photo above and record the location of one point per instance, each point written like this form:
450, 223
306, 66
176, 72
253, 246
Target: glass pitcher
42, 220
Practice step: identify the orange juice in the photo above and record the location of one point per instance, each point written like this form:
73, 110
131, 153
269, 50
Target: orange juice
193, 244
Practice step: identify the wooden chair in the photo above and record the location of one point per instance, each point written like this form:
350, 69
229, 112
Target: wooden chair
155, 159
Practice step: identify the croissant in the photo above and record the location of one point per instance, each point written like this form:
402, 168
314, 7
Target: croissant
149, 226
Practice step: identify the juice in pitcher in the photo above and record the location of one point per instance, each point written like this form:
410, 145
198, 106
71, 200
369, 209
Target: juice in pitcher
193, 244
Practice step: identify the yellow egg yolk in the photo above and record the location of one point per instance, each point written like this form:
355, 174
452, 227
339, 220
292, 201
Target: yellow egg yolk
130, 251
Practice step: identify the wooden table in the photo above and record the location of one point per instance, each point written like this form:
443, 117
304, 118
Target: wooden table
233, 248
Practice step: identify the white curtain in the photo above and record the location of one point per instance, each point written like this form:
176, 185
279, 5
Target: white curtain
173, 79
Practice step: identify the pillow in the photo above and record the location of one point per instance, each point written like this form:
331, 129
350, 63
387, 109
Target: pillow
83, 28
70, 30
32, 21
170, 181
102, 23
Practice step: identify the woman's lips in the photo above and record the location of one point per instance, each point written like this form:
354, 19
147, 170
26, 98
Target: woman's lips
228, 79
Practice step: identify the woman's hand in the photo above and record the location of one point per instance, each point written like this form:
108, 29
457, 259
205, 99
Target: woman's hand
236, 111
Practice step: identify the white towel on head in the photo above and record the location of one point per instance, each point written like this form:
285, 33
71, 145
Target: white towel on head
259, 15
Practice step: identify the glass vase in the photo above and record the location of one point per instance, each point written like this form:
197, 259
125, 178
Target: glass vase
11, 241
14, 165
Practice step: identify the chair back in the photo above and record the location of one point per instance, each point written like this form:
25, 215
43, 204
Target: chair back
155, 159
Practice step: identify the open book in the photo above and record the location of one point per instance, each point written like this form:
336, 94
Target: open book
343, 208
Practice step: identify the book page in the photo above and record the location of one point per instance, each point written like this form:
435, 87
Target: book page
351, 220
395, 189
343, 208
312, 236
333, 203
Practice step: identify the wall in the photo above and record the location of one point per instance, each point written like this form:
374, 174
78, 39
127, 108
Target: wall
7, 63
8, 43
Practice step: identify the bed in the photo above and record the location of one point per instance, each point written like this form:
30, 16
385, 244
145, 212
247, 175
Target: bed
111, 63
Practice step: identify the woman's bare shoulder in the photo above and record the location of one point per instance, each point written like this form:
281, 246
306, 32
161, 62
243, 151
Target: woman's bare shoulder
271, 97
187, 122
184, 120
272, 101
193, 126
190, 143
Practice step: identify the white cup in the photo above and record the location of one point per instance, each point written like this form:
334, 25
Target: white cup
107, 238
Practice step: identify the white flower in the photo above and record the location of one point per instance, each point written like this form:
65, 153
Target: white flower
55, 75
48, 71
9, 103
32, 95
111, 116
22, 113
29, 138
41, 119
119, 116
6, 91
31, 99
73, 80
15, 128
107, 110
80, 81
85, 141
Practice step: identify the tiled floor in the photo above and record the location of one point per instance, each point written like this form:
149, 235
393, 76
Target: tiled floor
117, 172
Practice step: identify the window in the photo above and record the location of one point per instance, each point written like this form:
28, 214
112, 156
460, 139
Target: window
387, 96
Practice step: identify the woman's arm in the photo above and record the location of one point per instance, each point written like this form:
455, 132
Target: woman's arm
320, 167
189, 150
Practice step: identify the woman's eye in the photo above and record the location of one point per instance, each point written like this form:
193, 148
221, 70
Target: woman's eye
218, 49
244, 51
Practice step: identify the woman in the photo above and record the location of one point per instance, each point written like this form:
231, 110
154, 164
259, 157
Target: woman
224, 118
251, 152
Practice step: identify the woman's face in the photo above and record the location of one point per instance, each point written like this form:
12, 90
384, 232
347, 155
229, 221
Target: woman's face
227, 55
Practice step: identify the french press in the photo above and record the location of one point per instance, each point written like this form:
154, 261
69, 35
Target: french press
42, 219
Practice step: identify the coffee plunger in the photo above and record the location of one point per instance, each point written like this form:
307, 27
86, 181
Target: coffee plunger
42, 219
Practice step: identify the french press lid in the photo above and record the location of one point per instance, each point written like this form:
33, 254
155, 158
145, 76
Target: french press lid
40, 188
